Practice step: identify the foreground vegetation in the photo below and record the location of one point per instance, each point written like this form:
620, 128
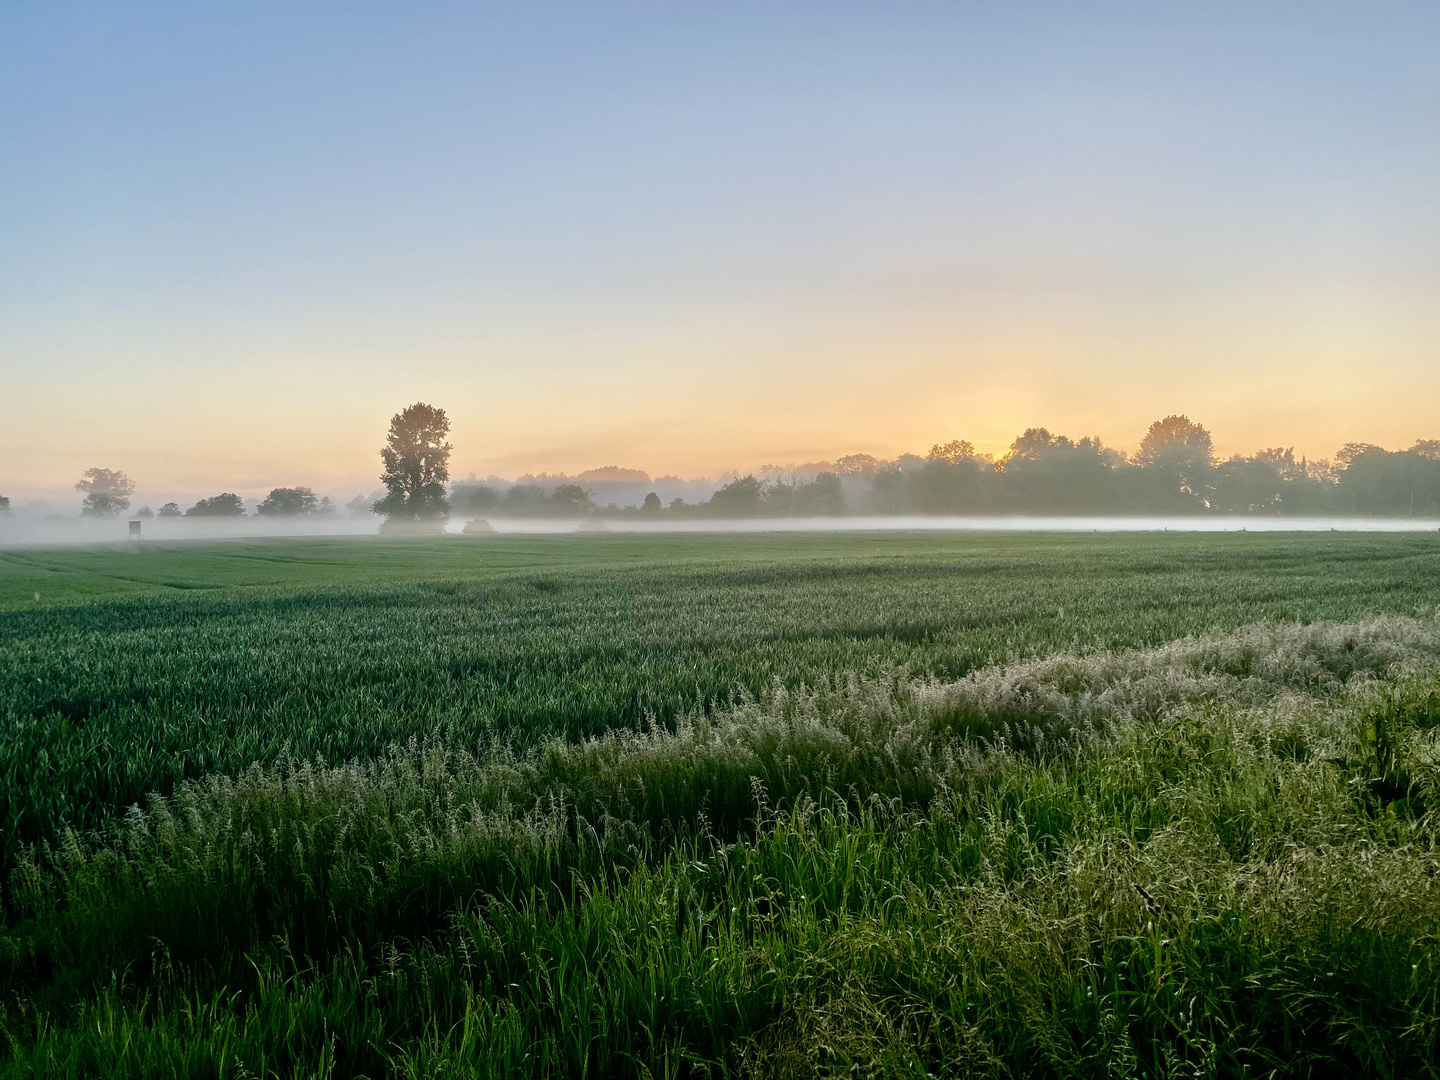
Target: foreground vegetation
915, 851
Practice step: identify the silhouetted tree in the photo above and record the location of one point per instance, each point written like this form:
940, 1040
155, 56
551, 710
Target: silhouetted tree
856, 465
534, 500
1032, 444
107, 492
1050, 473
359, 505
1283, 459
571, 500
4, 505
951, 487
1352, 450
739, 498
779, 496
145, 513
226, 504
474, 498
1249, 485
1379, 482
820, 497
956, 450
889, 491
417, 466
289, 502
1273, 481
651, 505
1427, 448
170, 509
1179, 446
527, 500
1173, 440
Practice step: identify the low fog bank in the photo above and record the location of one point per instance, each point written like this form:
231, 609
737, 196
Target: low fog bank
18, 531
917, 522
924, 523
23, 530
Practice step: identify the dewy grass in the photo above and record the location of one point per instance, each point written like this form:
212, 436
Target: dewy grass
137, 671
1214, 857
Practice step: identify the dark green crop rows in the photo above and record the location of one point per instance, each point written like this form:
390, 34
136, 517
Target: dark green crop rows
105, 699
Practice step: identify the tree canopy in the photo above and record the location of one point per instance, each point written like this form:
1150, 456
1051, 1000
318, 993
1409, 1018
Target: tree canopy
291, 502
953, 451
524, 500
1176, 441
107, 491
417, 466
226, 504
857, 465
1179, 446
739, 498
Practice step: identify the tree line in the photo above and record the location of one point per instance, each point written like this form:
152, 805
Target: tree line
108, 491
1174, 471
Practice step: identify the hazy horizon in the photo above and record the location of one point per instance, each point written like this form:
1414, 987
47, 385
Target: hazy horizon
64, 497
694, 240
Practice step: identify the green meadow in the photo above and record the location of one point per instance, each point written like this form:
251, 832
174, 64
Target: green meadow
760, 805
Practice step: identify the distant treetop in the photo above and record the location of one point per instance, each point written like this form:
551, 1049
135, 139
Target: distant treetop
1352, 450
292, 502
954, 451
1175, 440
615, 474
226, 504
107, 492
857, 465
1032, 443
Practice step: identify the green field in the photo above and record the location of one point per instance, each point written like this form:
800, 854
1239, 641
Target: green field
785, 804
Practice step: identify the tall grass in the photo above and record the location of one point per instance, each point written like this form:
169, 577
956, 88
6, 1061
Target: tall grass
106, 699
1215, 857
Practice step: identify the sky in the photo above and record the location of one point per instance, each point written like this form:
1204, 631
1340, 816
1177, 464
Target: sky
691, 238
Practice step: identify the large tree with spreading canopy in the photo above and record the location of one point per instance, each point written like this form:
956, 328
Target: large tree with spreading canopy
107, 492
1180, 446
1176, 441
417, 466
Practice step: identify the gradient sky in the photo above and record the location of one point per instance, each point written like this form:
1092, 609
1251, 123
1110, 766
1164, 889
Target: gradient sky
687, 237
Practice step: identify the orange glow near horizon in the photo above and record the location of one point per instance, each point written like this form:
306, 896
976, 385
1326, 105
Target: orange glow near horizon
728, 406
692, 241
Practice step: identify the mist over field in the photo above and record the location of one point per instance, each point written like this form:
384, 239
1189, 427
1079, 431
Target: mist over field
21, 532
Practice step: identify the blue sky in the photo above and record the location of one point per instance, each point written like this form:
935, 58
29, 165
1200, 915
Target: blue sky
695, 237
